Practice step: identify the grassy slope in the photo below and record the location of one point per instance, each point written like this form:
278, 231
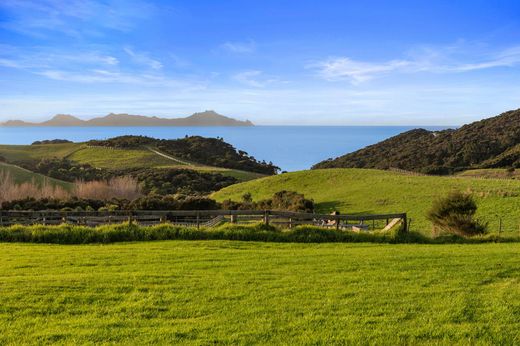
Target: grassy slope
36, 152
118, 158
490, 173
374, 191
21, 175
207, 292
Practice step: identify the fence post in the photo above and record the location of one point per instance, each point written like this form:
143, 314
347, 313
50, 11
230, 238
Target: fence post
405, 222
266, 217
337, 222
198, 219
290, 223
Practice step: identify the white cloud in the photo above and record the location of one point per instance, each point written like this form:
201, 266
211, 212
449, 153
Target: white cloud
239, 47
334, 69
76, 18
144, 59
253, 78
440, 60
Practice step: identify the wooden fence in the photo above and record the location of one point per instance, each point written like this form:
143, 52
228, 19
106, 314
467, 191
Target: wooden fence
204, 218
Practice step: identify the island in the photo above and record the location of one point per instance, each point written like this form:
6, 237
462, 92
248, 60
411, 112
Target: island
206, 118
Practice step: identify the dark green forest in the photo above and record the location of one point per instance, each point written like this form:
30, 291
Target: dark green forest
489, 143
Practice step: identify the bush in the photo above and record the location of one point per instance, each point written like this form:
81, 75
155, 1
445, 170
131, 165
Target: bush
455, 214
282, 200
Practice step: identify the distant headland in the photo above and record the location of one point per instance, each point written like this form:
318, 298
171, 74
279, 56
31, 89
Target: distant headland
207, 118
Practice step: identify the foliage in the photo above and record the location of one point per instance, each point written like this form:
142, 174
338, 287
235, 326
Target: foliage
281, 200
73, 203
161, 181
478, 144
72, 234
173, 202
51, 141
170, 202
455, 214
172, 181
66, 170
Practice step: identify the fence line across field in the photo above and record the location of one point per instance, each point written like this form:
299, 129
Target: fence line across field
203, 218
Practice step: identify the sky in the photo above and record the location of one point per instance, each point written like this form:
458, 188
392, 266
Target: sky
274, 62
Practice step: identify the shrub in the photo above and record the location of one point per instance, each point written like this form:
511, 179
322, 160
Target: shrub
282, 200
455, 214
124, 187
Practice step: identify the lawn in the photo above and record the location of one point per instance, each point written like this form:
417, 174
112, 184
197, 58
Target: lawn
207, 292
375, 191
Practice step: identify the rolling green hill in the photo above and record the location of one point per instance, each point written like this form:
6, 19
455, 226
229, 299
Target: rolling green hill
377, 191
118, 158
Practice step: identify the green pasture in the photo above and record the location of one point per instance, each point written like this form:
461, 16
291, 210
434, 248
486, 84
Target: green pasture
225, 292
359, 191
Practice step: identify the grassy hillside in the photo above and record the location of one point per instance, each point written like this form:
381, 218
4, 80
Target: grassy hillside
37, 152
223, 292
375, 191
21, 175
110, 158
118, 158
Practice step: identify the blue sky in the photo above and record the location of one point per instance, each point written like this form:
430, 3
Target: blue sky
273, 62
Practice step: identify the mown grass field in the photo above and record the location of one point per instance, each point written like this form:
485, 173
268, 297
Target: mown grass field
207, 292
21, 175
373, 191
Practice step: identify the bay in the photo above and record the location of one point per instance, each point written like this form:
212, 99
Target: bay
291, 148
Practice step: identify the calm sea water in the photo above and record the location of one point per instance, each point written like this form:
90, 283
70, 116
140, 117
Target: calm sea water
289, 147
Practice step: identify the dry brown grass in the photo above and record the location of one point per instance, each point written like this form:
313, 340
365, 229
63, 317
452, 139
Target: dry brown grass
120, 187
10, 191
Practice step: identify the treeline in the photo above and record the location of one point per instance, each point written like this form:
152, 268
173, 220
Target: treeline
153, 181
207, 151
488, 143
283, 200
51, 141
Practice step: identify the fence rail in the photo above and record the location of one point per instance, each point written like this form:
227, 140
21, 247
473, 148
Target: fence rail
203, 218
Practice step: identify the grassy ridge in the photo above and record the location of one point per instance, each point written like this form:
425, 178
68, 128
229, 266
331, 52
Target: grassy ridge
21, 175
38, 152
375, 191
223, 292
119, 158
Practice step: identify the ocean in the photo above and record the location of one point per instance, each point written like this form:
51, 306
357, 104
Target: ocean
292, 148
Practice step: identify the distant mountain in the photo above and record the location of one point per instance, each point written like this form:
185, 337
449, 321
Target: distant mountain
489, 143
207, 118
